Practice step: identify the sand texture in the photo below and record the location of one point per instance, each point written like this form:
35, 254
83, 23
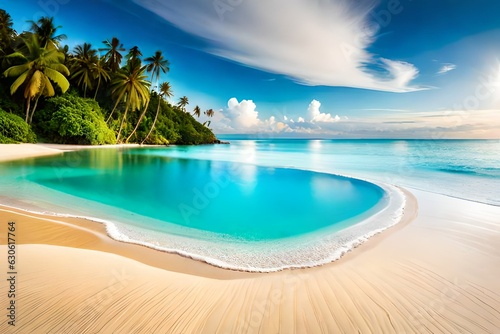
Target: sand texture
436, 272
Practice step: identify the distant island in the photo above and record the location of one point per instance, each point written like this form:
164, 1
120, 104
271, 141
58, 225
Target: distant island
52, 94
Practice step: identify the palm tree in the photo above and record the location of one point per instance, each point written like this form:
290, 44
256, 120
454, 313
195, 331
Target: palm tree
100, 73
82, 66
40, 67
209, 113
157, 64
183, 102
7, 33
85, 51
113, 56
45, 30
67, 55
197, 111
165, 90
134, 54
130, 83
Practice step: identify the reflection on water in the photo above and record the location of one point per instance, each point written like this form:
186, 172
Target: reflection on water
442, 166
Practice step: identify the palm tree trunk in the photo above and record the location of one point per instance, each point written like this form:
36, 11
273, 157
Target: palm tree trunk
97, 89
138, 122
154, 122
28, 109
114, 108
143, 113
34, 107
123, 122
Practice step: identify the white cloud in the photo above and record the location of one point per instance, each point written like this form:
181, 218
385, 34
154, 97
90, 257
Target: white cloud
314, 42
243, 117
242, 114
447, 68
317, 116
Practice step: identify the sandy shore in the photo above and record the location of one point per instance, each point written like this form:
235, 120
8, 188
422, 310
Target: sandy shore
19, 151
436, 273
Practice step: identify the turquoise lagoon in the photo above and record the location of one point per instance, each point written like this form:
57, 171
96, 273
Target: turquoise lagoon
256, 205
232, 214
239, 201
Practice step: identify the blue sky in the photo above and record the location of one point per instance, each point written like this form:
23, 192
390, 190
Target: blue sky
311, 68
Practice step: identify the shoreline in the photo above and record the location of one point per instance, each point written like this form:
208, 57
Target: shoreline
10, 152
435, 272
99, 238
308, 251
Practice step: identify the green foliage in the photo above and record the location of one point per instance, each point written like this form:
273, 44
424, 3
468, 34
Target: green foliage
40, 69
174, 125
5, 140
70, 119
191, 131
14, 129
34, 66
7, 102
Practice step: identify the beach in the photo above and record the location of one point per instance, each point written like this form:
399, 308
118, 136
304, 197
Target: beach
435, 272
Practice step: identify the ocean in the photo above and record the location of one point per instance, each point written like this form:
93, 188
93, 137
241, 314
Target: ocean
255, 204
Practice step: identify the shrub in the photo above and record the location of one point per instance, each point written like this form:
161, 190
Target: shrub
70, 119
5, 140
14, 129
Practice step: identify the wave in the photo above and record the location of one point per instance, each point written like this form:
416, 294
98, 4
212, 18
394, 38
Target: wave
484, 172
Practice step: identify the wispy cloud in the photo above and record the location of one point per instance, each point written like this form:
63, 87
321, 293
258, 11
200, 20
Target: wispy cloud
447, 68
243, 117
314, 42
383, 109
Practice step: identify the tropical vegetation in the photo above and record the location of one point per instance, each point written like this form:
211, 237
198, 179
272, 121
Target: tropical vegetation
88, 95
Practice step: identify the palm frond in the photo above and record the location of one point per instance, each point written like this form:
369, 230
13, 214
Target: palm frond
16, 55
48, 88
17, 70
34, 85
19, 81
58, 78
60, 68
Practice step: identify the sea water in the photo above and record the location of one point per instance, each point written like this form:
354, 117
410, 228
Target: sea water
467, 169
258, 205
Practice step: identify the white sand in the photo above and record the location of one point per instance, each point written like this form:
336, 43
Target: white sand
438, 273
19, 151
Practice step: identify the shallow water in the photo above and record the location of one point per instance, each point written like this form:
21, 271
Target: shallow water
254, 204
239, 200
